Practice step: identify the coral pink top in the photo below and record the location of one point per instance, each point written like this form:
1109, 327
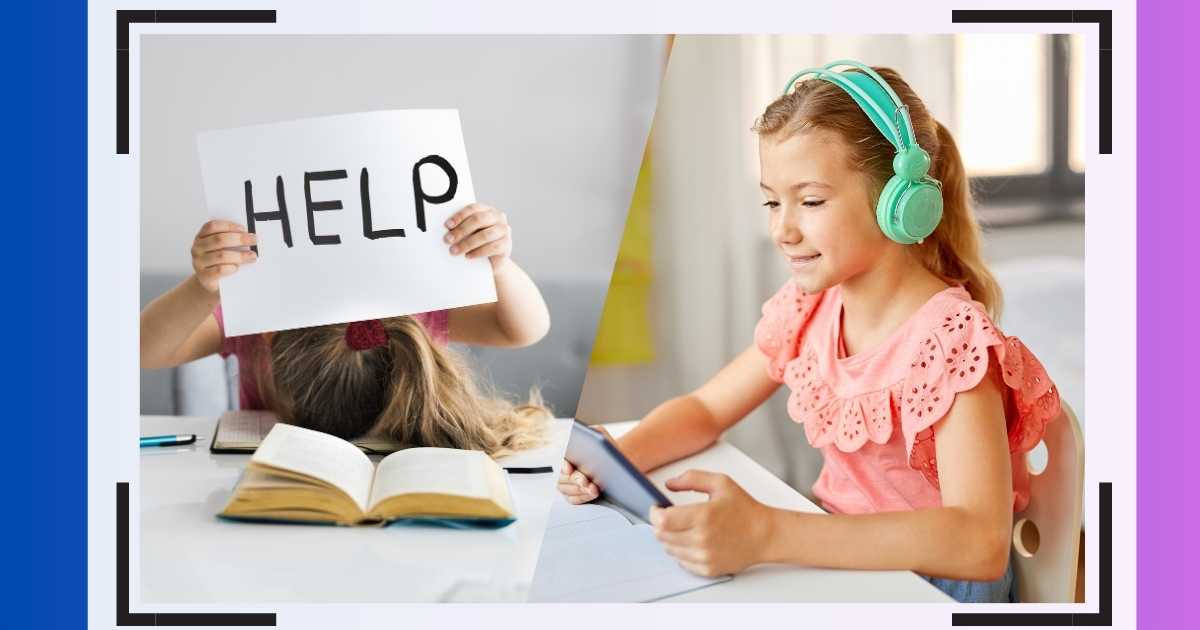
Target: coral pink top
872, 414
245, 347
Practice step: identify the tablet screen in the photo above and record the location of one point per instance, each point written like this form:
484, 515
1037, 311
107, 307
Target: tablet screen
619, 481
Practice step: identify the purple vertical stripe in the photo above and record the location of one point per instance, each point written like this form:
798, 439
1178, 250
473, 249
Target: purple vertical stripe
1168, 287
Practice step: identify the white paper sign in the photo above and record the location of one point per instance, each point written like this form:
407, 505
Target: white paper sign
350, 214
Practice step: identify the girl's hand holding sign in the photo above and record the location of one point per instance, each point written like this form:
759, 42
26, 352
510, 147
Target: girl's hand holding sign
214, 255
478, 230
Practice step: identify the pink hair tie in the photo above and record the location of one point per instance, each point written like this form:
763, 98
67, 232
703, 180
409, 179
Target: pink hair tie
366, 335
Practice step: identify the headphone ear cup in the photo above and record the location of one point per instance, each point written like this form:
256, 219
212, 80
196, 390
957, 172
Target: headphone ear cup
919, 210
911, 164
885, 210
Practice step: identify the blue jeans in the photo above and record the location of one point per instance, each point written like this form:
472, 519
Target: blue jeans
1004, 590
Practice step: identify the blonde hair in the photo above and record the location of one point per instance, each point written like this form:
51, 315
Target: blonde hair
954, 249
409, 390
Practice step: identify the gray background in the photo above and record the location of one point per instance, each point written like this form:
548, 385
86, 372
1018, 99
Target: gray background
554, 126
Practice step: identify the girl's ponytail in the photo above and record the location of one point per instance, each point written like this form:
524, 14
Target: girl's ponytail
954, 250
400, 385
433, 400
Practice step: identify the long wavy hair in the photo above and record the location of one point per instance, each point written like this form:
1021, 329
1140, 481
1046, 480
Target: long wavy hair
954, 249
409, 390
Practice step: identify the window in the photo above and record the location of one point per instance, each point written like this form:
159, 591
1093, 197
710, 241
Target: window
1075, 150
1000, 97
1020, 124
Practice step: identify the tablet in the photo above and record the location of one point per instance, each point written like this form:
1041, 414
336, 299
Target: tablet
619, 481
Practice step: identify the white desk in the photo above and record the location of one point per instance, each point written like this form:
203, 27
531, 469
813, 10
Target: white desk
188, 555
782, 582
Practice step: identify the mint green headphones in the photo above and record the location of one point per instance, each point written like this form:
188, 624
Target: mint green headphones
910, 205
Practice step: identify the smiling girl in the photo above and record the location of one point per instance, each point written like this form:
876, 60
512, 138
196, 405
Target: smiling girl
923, 410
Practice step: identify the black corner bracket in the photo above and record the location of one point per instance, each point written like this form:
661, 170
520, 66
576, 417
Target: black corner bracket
1103, 18
125, 18
126, 618
1101, 618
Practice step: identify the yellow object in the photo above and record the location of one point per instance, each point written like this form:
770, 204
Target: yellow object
624, 336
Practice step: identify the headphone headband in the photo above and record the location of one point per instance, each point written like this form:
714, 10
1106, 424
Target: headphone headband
888, 124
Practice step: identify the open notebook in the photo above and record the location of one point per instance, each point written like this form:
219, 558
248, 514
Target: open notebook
590, 553
244, 431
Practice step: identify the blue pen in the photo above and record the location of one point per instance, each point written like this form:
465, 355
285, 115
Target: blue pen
170, 440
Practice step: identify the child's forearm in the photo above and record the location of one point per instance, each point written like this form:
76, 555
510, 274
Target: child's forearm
521, 313
947, 542
168, 322
675, 429
688, 424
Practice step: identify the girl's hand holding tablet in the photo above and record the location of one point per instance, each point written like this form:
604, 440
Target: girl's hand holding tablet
573, 484
723, 535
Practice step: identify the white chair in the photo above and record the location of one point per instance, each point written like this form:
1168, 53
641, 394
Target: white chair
1046, 532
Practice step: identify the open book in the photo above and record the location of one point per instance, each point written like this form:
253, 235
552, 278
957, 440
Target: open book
243, 431
300, 475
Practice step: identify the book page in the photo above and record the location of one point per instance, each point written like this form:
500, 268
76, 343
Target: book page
431, 470
319, 455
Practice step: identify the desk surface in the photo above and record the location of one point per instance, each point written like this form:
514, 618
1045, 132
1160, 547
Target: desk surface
188, 555
782, 582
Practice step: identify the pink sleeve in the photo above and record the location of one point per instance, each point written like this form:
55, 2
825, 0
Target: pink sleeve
438, 325
220, 317
953, 357
777, 334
